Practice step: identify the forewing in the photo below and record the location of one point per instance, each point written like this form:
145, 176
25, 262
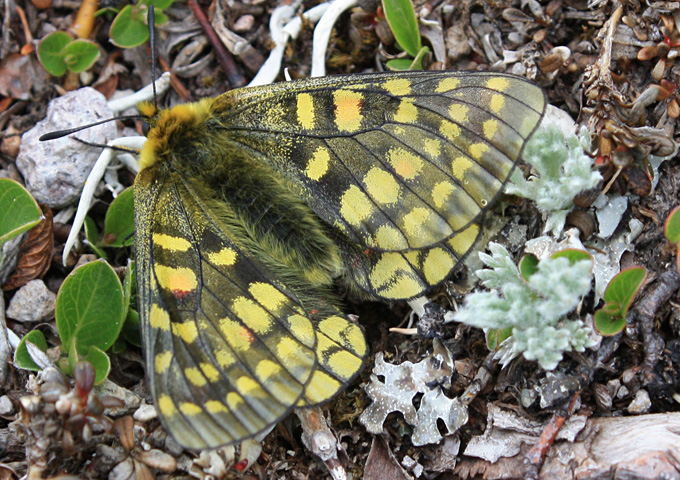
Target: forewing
229, 349
397, 162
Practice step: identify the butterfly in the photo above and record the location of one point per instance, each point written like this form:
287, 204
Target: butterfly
249, 206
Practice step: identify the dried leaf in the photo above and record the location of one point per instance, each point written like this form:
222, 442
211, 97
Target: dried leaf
35, 255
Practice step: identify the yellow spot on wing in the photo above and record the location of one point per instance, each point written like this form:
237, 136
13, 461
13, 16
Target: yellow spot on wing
286, 348
239, 337
407, 112
224, 358
302, 328
465, 240
458, 112
446, 85
268, 296
348, 110
168, 242
398, 86
355, 206
382, 186
405, 164
318, 164
305, 110
389, 238
459, 166
390, 276
498, 83
490, 127
450, 130
166, 405
225, 257
321, 387
210, 371
186, 331
478, 149
344, 364
234, 400
266, 370
213, 406
433, 147
441, 193
438, 264
248, 386
195, 376
189, 408
162, 361
159, 318
256, 317
176, 279
345, 333
496, 103
414, 223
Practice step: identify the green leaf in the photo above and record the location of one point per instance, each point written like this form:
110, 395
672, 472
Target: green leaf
399, 64
528, 265
624, 286
129, 29
573, 254
51, 52
91, 237
497, 336
119, 224
19, 211
130, 330
80, 55
672, 226
22, 358
618, 296
129, 285
608, 324
402, 20
101, 363
89, 308
160, 5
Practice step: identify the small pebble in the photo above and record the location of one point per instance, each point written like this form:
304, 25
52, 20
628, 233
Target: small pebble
145, 413
6, 407
33, 302
244, 24
640, 404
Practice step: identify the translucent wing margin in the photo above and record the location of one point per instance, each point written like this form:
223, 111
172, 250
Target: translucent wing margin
230, 349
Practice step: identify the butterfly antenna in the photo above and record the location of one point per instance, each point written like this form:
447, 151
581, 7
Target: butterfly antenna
151, 20
69, 131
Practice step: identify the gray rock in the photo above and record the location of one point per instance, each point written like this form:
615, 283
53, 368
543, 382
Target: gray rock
56, 170
33, 302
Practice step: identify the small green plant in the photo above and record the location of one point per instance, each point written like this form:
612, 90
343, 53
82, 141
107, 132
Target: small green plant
129, 29
672, 231
561, 171
58, 53
530, 317
94, 311
91, 308
19, 212
618, 296
402, 20
119, 225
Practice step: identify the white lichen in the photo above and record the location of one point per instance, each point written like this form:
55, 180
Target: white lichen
536, 309
561, 170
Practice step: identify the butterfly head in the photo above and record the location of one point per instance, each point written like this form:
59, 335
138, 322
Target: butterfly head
170, 128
